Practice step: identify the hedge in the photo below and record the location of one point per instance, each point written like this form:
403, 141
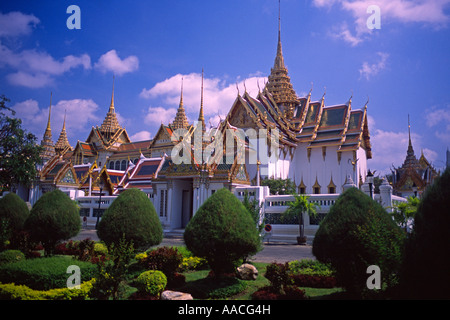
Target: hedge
11, 291
44, 273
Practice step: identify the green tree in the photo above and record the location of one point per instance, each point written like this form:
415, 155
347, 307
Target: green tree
297, 208
131, 214
425, 272
357, 233
13, 214
54, 217
405, 211
19, 152
254, 208
112, 274
279, 186
222, 231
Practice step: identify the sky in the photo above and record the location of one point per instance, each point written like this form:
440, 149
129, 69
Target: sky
393, 53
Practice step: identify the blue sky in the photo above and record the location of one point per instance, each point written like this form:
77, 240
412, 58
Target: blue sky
402, 68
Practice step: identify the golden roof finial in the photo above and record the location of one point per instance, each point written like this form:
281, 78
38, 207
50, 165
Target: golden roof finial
49, 113
181, 96
111, 106
201, 117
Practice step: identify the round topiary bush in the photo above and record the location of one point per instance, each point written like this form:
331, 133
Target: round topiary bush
222, 231
151, 282
133, 216
426, 267
13, 214
54, 217
357, 233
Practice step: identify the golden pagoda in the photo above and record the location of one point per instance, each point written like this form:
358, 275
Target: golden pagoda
48, 147
180, 121
63, 143
110, 125
279, 83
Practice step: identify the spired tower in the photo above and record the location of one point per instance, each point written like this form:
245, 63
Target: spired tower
62, 142
279, 84
180, 121
110, 125
49, 148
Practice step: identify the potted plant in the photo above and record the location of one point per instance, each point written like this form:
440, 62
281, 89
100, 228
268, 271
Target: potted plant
296, 208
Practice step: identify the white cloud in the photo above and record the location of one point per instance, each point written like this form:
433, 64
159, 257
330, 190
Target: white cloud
14, 24
158, 115
431, 13
435, 116
218, 95
110, 61
24, 79
440, 120
36, 69
343, 32
368, 70
141, 136
35, 119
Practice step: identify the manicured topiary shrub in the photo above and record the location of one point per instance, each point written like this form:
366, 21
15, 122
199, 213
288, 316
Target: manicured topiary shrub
11, 291
13, 214
426, 267
222, 231
131, 215
151, 282
54, 217
357, 233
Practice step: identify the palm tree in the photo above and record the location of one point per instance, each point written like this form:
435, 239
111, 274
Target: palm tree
296, 208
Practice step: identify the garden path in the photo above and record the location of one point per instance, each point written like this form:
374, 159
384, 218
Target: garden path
280, 252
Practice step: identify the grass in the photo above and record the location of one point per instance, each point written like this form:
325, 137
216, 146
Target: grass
197, 282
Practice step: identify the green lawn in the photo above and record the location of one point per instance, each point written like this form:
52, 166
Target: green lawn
197, 281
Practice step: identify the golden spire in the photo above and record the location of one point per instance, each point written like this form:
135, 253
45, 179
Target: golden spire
410, 148
201, 117
279, 84
111, 106
49, 113
279, 60
181, 95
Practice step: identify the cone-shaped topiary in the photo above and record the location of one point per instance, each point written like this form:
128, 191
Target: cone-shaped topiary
13, 214
222, 231
426, 267
357, 233
131, 215
54, 217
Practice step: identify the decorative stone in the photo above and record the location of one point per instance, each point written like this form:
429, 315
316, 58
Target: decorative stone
175, 295
247, 272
